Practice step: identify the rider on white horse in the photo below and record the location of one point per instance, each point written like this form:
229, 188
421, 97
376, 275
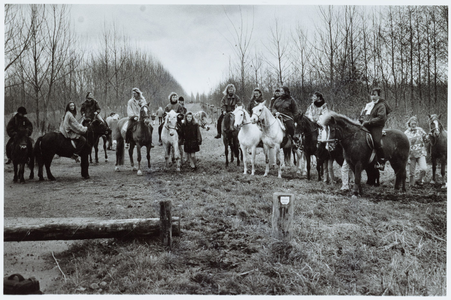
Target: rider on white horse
286, 107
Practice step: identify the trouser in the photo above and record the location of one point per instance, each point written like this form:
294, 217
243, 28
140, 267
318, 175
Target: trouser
218, 127
79, 143
376, 133
412, 165
128, 133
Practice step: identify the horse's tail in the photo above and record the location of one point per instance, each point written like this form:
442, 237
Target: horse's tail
287, 156
120, 149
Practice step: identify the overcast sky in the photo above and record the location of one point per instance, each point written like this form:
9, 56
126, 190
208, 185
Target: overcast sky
190, 40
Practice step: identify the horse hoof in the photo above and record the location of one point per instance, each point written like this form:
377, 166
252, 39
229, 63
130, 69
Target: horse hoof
178, 169
106, 160
86, 177
354, 197
116, 169
52, 178
139, 173
135, 169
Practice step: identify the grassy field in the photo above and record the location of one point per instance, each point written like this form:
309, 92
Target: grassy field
383, 243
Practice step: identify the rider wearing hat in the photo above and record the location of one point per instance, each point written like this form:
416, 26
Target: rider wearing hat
90, 109
133, 109
228, 104
373, 118
18, 123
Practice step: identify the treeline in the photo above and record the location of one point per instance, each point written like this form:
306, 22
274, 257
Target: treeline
402, 49
47, 65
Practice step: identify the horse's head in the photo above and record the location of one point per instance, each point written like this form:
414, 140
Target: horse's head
228, 121
99, 127
202, 120
21, 139
435, 126
170, 122
240, 116
258, 112
144, 115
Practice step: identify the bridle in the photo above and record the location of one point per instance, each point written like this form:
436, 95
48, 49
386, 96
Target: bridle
243, 123
258, 117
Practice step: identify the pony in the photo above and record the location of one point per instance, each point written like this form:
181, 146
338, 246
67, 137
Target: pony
101, 130
308, 131
141, 136
438, 145
111, 121
249, 135
201, 119
53, 143
358, 152
272, 134
21, 154
230, 139
170, 139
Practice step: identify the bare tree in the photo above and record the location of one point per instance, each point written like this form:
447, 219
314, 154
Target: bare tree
278, 48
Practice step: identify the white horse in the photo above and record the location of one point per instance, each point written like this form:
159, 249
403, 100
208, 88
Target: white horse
201, 119
272, 134
112, 121
170, 139
249, 135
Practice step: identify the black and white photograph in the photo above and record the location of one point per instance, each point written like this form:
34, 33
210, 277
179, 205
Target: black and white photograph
214, 149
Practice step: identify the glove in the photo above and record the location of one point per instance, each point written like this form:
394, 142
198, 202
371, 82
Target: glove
277, 114
135, 118
95, 113
365, 124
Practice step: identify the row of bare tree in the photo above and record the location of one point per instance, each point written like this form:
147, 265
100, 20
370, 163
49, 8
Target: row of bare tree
402, 49
47, 65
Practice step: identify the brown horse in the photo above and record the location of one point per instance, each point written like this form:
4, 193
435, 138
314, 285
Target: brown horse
438, 145
142, 136
230, 138
353, 138
93, 137
21, 154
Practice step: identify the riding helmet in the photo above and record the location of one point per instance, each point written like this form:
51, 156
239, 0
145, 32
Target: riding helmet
22, 110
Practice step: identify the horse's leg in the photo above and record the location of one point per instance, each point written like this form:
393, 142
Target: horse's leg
130, 154
443, 169
16, 169
84, 164
21, 172
167, 150
279, 161
244, 149
266, 150
358, 177
138, 150
104, 138
319, 165
308, 159
47, 163
96, 150
434, 168
148, 156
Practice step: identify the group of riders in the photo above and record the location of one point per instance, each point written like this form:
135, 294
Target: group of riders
282, 105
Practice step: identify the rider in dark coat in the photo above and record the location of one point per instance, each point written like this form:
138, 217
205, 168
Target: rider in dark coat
257, 98
373, 117
286, 106
90, 109
18, 123
176, 104
228, 104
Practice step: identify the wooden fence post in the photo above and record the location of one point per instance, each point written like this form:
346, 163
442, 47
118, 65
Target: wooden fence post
165, 223
282, 215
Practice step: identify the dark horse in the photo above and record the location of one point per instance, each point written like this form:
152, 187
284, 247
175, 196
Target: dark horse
101, 131
142, 136
230, 138
21, 154
55, 143
438, 145
353, 138
307, 131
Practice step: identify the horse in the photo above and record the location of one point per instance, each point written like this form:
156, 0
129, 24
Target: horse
272, 134
249, 136
21, 154
201, 119
438, 145
111, 121
101, 130
358, 152
170, 139
230, 139
141, 136
53, 143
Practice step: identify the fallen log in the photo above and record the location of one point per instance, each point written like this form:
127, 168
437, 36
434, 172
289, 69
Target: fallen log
70, 229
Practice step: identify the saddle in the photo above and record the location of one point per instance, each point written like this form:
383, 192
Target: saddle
370, 143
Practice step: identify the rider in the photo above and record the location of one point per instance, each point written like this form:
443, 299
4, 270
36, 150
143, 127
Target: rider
176, 105
373, 117
274, 97
257, 98
73, 130
317, 108
17, 123
228, 103
90, 109
133, 108
286, 107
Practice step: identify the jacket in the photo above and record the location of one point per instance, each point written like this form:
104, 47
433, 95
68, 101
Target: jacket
285, 105
18, 123
71, 128
375, 114
134, 106
228, 102
88, 108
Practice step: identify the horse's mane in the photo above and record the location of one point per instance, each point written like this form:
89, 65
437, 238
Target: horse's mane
325, 119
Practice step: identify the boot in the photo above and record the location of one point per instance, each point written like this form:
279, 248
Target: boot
412, 180
420, 180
